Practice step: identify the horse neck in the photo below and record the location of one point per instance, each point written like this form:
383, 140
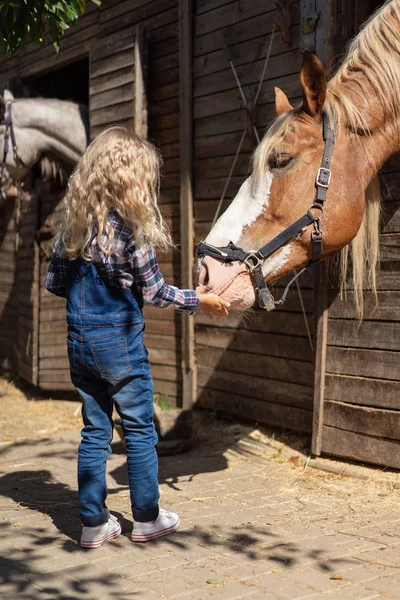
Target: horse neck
56, 127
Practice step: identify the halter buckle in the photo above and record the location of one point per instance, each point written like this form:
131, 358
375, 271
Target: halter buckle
324, 177
252, 261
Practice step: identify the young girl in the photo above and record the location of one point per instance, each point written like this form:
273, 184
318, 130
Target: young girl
106, 267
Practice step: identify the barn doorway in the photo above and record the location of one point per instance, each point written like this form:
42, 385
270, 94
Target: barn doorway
41, 348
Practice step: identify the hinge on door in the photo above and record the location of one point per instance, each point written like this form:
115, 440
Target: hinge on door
309, 23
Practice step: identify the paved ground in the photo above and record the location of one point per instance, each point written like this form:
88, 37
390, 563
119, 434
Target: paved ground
254, 523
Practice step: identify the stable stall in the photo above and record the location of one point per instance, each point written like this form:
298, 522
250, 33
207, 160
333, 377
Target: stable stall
197, 78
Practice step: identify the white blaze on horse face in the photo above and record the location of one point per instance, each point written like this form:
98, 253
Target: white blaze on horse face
247, 205
277, 260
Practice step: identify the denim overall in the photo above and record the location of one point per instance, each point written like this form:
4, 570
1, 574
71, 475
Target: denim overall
110, 366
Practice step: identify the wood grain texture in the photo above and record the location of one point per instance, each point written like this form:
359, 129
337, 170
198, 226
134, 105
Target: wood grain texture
363, 448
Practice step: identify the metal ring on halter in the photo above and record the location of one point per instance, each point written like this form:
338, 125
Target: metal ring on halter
252, 261
319, 207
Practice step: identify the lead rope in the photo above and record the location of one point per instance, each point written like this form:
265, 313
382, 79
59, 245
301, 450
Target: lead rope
233, 165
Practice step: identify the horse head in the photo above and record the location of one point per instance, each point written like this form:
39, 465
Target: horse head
37, 128
282, 188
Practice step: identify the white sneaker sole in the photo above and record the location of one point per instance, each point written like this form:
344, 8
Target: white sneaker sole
100, 541
145, 537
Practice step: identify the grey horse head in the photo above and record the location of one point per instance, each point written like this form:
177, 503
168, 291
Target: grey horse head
50, 128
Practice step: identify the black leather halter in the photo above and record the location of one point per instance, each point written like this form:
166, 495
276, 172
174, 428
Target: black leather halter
254, 260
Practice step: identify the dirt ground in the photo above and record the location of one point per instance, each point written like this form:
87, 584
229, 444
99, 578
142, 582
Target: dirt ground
257, 521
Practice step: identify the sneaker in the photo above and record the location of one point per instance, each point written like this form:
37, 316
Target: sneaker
166, 522
93, 537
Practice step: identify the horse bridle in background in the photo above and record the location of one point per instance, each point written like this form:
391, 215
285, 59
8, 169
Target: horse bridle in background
254, 259
9, 132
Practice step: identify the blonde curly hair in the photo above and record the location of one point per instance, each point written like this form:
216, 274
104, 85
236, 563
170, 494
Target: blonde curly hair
119, 172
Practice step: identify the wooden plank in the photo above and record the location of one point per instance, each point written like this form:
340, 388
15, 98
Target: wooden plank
55, 60
362, 419
105, 83
55, 375
381, 393
321, 315
264, 344
242, 30
368, 334
63, 386
271, 367
284, 64
57, 350
123, 93
111, 114
141, 125
378, 364
260, 388
169, 388
163, 356
108, 65
189, 373
222, 17
284, 323
167, 373
161, 341
53, 364
387, 308
242, 53
243, 407
364, 448
157, 12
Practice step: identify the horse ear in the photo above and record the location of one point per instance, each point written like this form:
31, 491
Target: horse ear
8, 96
313, 83
282, 103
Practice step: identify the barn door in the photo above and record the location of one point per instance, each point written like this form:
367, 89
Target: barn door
27, 286
117, 82
8, 294
53, 365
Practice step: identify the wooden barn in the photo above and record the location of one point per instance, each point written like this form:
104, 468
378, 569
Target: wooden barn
165, 68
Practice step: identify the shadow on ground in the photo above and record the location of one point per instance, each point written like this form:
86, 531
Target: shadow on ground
40, 563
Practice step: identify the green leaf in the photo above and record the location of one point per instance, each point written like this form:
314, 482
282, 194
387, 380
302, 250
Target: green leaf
213, 581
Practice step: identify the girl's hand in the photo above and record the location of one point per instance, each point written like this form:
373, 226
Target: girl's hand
211, 304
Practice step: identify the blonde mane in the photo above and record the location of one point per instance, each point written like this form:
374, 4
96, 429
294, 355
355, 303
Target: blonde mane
374, 54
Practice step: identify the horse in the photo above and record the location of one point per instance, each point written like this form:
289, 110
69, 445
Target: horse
313, 189
54, 132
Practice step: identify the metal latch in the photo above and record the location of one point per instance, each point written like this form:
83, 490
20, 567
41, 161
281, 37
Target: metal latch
309, 22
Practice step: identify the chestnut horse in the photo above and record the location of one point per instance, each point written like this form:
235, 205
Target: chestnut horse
361, 104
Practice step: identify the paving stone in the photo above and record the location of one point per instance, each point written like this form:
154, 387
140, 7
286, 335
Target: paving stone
263, 530
280, 586
388, 585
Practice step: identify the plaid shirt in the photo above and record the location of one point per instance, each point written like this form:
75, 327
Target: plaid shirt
126, 266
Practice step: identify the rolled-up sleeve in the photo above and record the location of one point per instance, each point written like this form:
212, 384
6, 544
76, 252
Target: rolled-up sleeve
155, 291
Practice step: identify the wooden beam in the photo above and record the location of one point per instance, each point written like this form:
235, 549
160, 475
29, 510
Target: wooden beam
140, 88
186, 196
323, 48
321, 315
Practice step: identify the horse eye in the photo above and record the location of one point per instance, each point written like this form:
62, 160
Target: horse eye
280, 161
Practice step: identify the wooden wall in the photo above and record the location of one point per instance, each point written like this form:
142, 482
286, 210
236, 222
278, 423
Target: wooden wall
8, 313
260, 368
108, 36
361, 416
361, 409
